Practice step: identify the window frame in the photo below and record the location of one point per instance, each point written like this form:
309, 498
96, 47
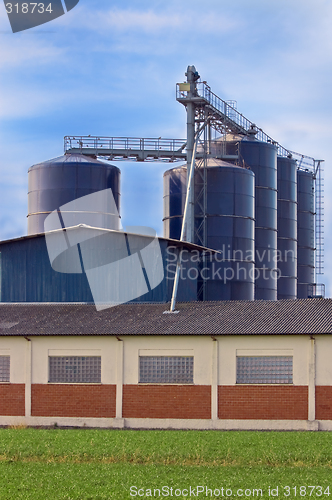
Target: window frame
77, 356
4, 354
167, 354
265, 354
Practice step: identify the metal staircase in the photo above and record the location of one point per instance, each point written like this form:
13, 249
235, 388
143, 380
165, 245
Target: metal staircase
319, 229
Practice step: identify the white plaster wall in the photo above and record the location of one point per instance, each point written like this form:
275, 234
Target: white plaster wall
323, 359
298, 346
42, 347
15, 347
199, 347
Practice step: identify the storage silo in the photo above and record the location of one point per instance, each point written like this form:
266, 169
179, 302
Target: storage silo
305, 232
261, 158
61, 180
230, 226
287, 228
175, 187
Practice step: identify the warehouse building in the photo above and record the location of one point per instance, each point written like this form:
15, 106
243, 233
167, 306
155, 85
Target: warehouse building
211, 365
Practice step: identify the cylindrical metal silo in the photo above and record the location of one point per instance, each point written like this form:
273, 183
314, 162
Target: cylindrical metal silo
287, 228
56, 182
230, 226
175, 187
305, 232
261, 157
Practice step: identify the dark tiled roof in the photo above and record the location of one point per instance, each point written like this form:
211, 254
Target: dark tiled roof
309, 316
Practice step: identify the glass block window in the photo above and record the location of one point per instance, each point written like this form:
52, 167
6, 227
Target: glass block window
166, 369
264, 370
75, 369
4, 368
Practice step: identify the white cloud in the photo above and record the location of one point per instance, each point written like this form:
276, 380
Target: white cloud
155, 21
31, 52
301, 133
25, 102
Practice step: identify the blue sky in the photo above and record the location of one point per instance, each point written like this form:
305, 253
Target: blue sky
110, 68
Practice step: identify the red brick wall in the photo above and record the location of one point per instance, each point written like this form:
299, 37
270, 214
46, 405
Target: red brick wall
12, 400
264, 402
61, 400
323, 402
167, 401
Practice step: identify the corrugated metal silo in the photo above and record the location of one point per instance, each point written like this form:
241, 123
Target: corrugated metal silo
305, 232
287, 228
261, 157
61, 180
175, 188
230, 226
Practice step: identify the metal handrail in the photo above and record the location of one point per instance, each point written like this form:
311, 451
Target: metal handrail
239, 120
135, 144
123, 143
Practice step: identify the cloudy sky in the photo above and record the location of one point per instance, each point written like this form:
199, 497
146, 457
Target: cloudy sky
110, 68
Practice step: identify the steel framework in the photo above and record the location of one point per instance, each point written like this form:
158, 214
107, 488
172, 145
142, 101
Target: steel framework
218, 118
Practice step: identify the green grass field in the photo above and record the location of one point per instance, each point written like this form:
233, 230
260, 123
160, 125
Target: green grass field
111, 464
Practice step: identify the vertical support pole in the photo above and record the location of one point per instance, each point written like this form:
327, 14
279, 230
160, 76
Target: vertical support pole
119, 379
28, 365
312, 381
191, 75
190, 147
207, 131
186, 217
214, 381
209, 139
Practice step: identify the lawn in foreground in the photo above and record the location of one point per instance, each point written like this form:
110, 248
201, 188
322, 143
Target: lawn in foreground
102, 464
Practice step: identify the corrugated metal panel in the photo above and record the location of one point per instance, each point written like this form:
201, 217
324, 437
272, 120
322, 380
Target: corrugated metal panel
27, 275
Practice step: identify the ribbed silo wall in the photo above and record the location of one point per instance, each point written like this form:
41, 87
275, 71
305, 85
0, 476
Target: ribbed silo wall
305, 232
287, 228
175, 182
230, 227
59, 181
262, 159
